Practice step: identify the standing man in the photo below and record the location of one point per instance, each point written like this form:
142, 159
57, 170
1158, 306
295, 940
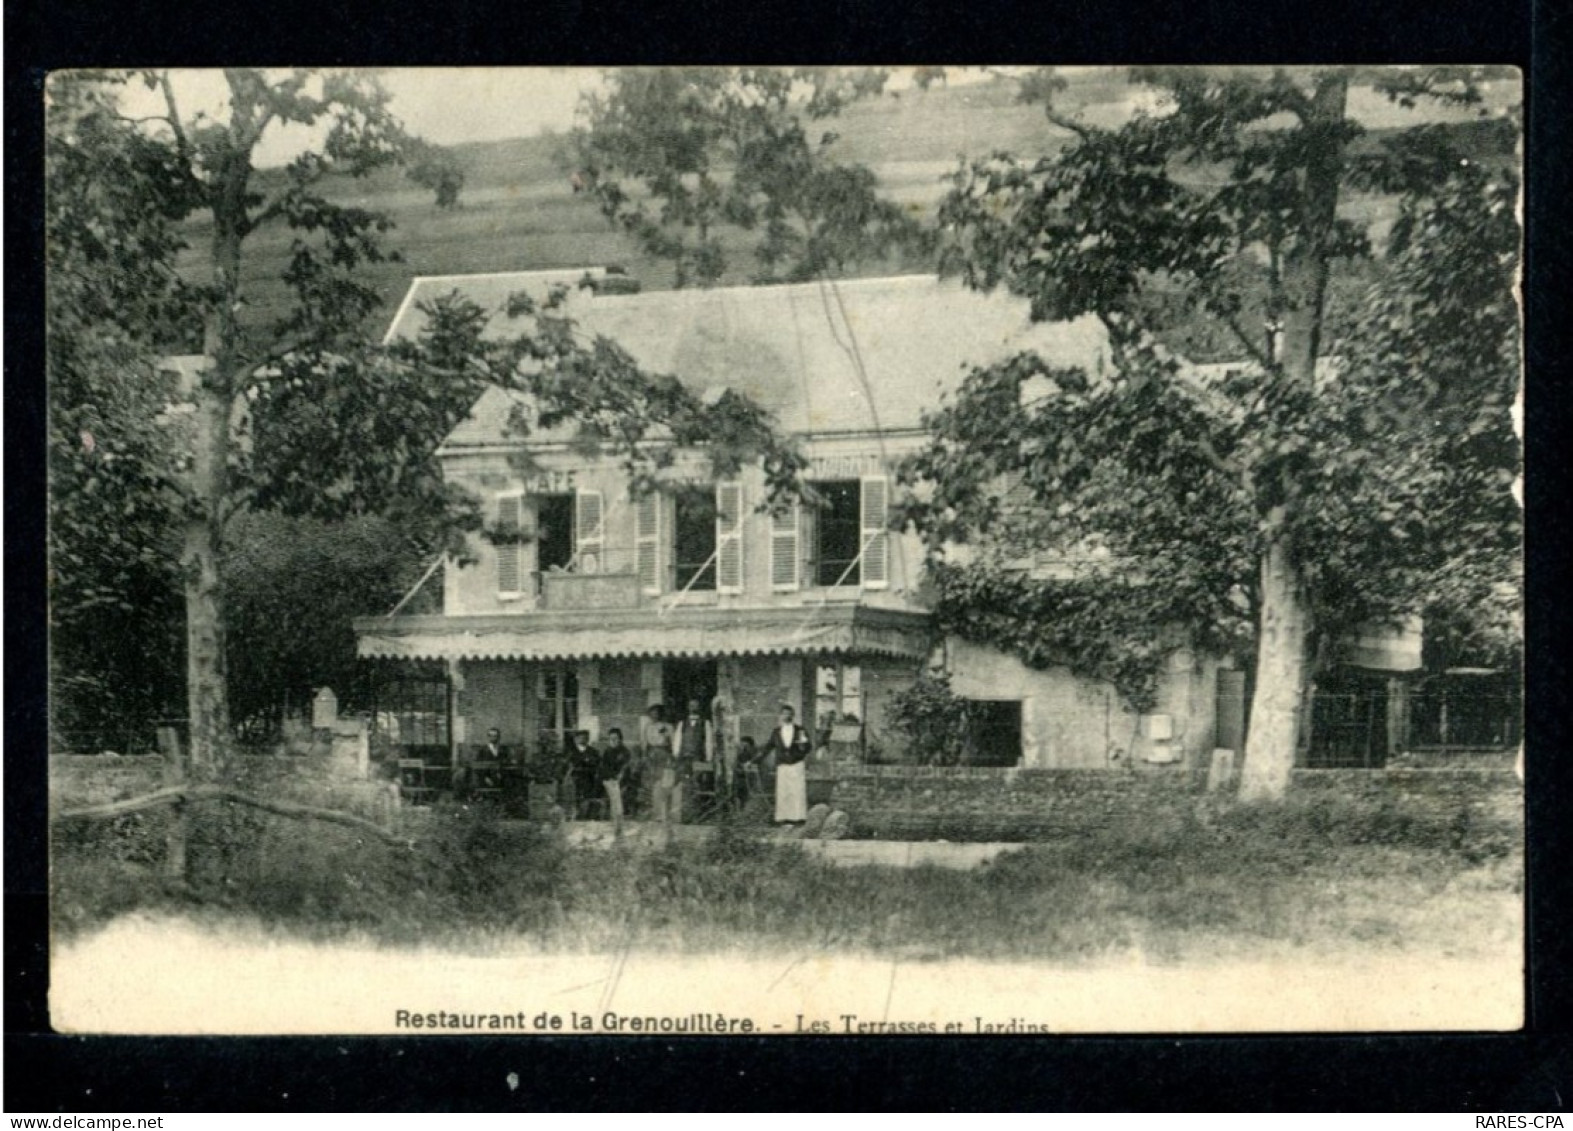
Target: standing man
613, 765
693, 744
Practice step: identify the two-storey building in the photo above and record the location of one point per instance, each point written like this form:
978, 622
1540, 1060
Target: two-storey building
604, 604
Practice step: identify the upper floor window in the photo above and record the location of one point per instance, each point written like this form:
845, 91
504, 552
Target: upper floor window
560, 532
554, 532
846, 537
838, 527
694, 540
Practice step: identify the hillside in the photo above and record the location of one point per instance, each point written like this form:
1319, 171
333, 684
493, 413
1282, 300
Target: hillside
518, 212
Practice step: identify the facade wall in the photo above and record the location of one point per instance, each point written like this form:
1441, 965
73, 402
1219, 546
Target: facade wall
618, 694
471, 590
492, 696
1069, 722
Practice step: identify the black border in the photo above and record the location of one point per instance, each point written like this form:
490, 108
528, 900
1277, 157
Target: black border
1532, 1070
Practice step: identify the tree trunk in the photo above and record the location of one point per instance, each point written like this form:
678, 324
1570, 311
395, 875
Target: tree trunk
1277, 702
1285, 617
207, 696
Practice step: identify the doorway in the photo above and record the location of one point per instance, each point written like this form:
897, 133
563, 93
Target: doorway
994, 732
683, 680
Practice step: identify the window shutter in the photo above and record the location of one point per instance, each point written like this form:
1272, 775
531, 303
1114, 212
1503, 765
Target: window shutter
589, 539
647, 542
875, 538
510, 551
784, 563
729, 537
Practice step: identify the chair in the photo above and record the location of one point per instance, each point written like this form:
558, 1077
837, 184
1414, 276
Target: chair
705, 793
486, 780
413, 784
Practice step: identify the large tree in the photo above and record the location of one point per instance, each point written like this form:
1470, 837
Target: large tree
1310, 488
681, 158
112, 535
206, 167
303, 415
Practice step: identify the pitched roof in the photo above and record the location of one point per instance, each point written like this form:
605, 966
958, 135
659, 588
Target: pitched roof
854, 355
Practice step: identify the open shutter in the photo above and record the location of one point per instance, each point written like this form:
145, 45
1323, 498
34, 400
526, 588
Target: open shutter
784, 563
729, 537
647, 542
588, 537
510, 550
875, 538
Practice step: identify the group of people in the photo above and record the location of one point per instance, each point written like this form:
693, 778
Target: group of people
674, 762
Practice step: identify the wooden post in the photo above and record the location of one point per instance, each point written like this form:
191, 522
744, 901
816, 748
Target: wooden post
174, 775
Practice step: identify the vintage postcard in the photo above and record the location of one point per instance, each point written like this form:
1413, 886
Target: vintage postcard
725, 550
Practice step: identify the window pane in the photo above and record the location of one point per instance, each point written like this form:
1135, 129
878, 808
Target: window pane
554, 532
839, 531
694, 541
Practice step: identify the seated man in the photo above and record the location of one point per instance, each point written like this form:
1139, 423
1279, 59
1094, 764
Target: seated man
584, 763
492, 750
485, 767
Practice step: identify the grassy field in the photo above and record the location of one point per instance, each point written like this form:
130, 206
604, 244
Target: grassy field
1310, 878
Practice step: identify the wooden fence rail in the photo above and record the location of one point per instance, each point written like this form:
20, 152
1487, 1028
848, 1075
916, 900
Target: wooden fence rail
176, 794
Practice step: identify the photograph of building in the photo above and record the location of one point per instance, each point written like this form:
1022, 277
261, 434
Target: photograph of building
947, 550
607, 604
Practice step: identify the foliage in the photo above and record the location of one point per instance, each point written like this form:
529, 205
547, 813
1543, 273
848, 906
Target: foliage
115, 649
931, 719
1289, 489
293, 588
674, 155
294, 412
438, 170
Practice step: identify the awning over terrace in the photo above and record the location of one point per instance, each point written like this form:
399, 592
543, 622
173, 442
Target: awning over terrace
698, 633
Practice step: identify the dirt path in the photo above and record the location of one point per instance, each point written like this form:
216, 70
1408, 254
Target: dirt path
151, 975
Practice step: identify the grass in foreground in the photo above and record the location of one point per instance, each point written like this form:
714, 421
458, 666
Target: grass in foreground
1319, 876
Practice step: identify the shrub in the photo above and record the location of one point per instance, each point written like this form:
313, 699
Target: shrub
932, 719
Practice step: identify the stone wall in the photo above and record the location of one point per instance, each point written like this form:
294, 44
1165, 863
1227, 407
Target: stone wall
79, 781
1493, 793
985, 803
